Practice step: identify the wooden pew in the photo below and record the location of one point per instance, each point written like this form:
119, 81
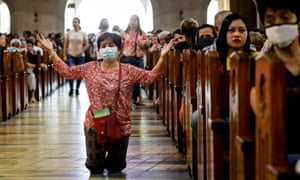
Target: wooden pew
277, 120
18, 66
193, 101
56, 80
1, 97
242, 128
162, 94
1, 104
186, 109
217, 108
38, 74
24, 83
200, 92
149, 65
60, 78
173, 56
6, 86
167, 92
176, 97
155, 56
189, 58
45, 76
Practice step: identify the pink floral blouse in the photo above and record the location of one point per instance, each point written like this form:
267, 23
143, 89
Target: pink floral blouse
102, 87
129, 39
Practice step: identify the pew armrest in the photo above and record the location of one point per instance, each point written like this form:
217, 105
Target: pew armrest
246, 144
281, 173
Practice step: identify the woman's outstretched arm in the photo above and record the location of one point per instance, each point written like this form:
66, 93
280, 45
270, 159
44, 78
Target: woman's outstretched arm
164, 51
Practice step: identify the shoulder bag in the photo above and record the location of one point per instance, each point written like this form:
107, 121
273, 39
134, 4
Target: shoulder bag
108, 128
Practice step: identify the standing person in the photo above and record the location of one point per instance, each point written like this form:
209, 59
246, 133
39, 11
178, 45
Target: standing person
103, 28
75, 45
135, 42
116, 29
102, 83
91, 52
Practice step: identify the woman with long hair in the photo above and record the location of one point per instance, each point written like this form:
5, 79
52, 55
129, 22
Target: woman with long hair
135, 43
235, 33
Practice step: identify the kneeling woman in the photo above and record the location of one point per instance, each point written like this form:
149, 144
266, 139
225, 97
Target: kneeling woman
102, 83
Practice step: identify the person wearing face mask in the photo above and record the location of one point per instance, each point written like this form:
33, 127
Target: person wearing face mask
204, 36
219, 18
281, 22
178, 37
102, 83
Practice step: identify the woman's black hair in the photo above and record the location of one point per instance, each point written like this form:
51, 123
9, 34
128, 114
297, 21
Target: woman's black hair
177, 31
292, 5
113, 36
222, 46
139, 29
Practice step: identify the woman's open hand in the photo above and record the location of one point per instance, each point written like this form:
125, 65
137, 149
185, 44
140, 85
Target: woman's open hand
46, 43
167, 48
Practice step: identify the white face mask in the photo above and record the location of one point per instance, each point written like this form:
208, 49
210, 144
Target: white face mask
109, 53
282, 35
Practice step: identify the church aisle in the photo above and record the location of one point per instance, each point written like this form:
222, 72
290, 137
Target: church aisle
45, 142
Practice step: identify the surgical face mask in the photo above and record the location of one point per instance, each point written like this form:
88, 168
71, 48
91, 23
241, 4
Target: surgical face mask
282, 35
205, 41
109, 53
182, 45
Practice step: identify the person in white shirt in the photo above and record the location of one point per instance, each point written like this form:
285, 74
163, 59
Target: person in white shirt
75, 45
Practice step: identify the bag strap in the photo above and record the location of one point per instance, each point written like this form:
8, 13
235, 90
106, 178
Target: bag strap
119, 87
135, 42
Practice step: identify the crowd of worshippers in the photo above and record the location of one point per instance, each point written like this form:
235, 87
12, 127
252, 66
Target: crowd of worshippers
189, 34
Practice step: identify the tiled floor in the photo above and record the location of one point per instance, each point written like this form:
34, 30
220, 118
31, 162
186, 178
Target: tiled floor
46, 142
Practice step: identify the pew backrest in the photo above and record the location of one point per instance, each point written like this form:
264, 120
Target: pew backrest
241, 122
272, 120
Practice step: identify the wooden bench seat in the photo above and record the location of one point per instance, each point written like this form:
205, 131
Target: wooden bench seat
6, 86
